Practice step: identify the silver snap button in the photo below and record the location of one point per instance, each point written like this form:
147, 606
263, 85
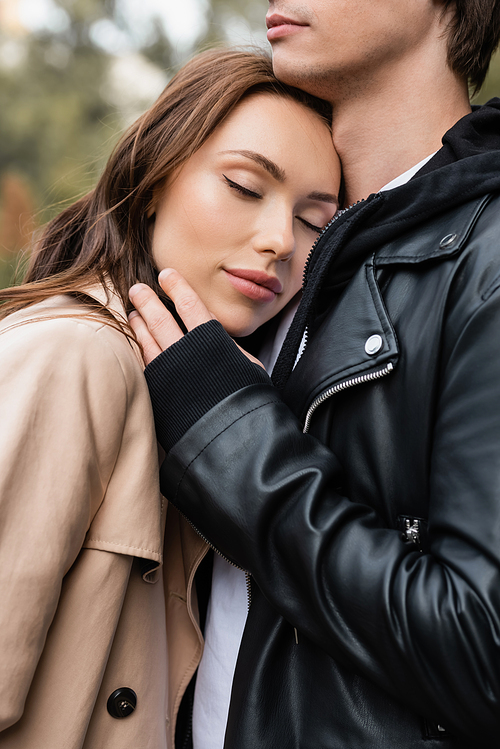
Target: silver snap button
447, 241
373, 344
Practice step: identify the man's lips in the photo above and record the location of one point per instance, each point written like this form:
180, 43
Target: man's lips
279, 26
254, 284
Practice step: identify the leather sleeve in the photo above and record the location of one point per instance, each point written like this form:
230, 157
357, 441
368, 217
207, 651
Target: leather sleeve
424, 627
63, 404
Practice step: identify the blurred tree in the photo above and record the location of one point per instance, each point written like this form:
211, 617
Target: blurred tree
54, 116
235, 21
16, 215
59, 121
62, 110
16, 222
491, 85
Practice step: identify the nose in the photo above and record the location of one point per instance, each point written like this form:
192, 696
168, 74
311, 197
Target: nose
275, 235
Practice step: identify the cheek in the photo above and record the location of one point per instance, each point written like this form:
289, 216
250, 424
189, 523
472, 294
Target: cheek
296, 278
304, 247
297, 265
203, 215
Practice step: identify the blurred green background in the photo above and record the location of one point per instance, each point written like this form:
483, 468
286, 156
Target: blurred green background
75, 73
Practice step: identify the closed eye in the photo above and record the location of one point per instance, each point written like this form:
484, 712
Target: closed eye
243, 190
317, 229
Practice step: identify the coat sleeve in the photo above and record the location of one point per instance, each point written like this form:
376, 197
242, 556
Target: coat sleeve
63, 401
424, 627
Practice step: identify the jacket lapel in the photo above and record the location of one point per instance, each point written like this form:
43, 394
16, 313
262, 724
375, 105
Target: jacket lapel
345, 347
356, 339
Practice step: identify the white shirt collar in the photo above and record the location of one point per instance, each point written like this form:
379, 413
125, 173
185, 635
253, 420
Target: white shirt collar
271, 348
406, 176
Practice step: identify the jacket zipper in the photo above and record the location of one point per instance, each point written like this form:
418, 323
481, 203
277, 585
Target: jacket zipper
335, 218
247, 574
343, 386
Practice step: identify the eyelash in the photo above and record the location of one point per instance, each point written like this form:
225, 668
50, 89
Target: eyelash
251, 194
317, 229
241, 189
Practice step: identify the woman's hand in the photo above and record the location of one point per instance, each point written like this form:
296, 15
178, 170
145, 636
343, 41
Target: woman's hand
153, 324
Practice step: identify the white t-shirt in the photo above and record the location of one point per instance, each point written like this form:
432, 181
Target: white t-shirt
226, 617
228, 605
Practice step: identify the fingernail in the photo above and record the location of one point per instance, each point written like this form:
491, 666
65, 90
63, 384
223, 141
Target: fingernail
135, 289
132, 314
165, 273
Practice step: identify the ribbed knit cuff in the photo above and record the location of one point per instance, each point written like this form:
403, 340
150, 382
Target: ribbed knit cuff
188, 379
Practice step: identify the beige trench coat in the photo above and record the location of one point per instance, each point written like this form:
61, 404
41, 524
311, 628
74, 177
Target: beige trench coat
81, 517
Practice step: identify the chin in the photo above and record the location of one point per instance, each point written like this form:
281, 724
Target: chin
283, 67
236, 331
240, 329
289, 71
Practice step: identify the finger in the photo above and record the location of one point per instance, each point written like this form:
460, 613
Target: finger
150, 349
160, 323
188, 304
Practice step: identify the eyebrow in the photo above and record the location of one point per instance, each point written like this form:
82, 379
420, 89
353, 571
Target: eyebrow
280, 175
273, 169
324, 197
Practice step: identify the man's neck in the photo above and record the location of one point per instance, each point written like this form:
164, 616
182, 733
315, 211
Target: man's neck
388, 126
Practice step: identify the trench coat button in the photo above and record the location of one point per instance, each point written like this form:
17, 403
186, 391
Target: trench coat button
373, 344
447, 241
122, 702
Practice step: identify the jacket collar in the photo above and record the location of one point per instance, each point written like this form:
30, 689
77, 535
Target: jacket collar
396, 214
435, 240
343, 350
107, 296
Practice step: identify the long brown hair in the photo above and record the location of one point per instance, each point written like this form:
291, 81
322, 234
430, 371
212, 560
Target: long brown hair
104, 236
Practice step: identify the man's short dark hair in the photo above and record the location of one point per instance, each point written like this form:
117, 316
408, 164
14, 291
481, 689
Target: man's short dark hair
473, 37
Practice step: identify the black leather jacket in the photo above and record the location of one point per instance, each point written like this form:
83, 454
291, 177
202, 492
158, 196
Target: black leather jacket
373, 539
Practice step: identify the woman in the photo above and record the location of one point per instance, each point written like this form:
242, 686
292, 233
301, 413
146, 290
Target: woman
228, 178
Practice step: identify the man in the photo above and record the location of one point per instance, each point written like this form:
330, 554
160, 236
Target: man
361, 489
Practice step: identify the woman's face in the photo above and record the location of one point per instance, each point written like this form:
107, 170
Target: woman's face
238, 219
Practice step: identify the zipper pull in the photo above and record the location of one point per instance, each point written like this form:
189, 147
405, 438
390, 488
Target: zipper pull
412, 531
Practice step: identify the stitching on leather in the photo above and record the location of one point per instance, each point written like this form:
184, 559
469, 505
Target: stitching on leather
434, 253
216, 437
377, 299
491, 288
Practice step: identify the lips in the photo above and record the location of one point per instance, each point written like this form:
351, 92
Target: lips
254, 284
276, 20
279, 26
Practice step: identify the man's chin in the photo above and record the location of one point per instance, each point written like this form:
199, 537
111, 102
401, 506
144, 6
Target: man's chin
286, 68
290, 71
